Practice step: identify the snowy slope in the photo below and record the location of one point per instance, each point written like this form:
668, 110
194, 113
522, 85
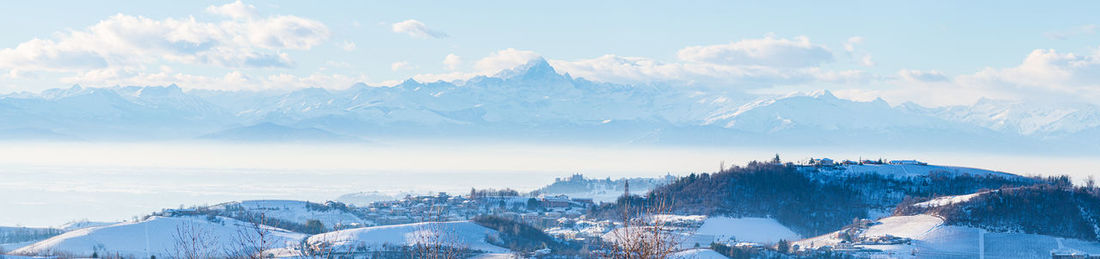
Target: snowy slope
463, 234
747, 229
74, 225
945, 200
698, 254
601, 190
932, 239
296, 211
153, 236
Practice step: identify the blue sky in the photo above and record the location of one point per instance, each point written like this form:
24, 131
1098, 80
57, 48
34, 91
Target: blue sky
899, 51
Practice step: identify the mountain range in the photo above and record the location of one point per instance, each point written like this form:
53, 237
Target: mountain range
533, 102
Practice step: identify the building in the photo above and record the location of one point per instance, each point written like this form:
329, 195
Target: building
907, 162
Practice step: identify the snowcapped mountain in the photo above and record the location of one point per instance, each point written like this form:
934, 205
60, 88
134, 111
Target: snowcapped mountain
533, 102
1022, 117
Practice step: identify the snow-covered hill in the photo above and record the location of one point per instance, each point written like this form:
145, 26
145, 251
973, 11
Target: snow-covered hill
697, 253
459, 234
747, 229
79, 224
155, 236
930, 238
600, 190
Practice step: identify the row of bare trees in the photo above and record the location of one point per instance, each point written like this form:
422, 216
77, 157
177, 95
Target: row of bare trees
193, 241
644, 233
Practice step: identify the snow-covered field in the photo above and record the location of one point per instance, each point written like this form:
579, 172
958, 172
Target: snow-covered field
946, 200
74, 225
699, 253
747, 229
153, 236
462, 234
932, 239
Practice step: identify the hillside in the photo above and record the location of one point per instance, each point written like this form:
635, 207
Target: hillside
456, 234
300, 216
1052, 210
813, 200
927, 236
158, 236
600, 190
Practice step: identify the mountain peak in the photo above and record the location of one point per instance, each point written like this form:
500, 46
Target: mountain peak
537, 68
823, 94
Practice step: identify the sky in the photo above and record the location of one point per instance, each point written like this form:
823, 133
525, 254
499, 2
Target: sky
934, 53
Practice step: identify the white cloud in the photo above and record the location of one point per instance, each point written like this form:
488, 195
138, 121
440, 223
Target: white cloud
850, 46
452, 61
865, 60
768, 51
1048, 70
505, 59
490, 65
861, 57
347, 45
641, 70
400, 65
922, 76
235, 10
233, 80
417, 29
1044, 75
123, 40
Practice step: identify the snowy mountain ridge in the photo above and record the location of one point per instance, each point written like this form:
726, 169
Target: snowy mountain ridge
533, 101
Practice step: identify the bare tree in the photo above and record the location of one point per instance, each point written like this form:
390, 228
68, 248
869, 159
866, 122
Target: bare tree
253, 241
326, 249
644, 235
193, 241
431, 240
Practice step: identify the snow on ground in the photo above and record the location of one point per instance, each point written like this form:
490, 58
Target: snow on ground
364, 199
932, 239
154, 236
679, 219
747, 229
74, 225
946, 200
700, 253
904, 226
640, 232
495, 256
13, 246
464, 234
296, 211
